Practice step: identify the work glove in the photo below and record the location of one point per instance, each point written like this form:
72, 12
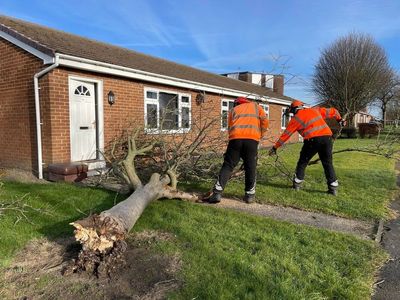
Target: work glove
272, 151
342, 123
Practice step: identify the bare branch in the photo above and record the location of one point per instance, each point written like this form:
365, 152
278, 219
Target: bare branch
350, 73
21, 208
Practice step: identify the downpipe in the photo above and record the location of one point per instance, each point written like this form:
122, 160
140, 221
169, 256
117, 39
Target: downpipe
37, 110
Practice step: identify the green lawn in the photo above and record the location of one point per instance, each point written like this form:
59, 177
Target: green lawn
225, 254
230, 255
367, 183
59, 204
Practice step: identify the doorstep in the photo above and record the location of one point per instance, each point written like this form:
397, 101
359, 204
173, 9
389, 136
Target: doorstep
70, 172
75, 171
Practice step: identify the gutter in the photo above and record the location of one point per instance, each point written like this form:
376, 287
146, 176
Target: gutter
106, 68
37, 109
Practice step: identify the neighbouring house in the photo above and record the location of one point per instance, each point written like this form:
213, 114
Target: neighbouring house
362, 117
65, 97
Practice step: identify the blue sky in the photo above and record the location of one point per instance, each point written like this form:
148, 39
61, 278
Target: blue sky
227, 35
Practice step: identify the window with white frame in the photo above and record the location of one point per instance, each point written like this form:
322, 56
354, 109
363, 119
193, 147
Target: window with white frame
226, 106
266, 108
166, 111
284, 118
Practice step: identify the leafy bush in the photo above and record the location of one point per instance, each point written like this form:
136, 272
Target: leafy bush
349, 132
370, 129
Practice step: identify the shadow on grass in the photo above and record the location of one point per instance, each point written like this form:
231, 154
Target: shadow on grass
80, 210
54, 206
315, 192
278, 185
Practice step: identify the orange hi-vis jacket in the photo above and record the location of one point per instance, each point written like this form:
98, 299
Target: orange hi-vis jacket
310, 123
247, 121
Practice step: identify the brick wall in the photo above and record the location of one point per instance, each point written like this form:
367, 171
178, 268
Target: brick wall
128, 111
275, 130
17, 107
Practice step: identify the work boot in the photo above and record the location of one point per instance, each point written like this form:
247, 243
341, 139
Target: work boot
249, 198
215, 197
297, 183
333, 188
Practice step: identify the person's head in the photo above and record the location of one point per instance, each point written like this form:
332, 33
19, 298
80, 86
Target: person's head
295, 106
240, 100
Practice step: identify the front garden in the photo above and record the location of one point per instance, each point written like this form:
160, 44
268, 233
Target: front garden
222, 254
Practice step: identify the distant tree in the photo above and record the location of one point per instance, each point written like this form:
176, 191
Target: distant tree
389, 92
350, 73
393, 110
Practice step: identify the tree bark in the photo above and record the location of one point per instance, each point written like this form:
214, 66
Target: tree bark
100, 233
384, 115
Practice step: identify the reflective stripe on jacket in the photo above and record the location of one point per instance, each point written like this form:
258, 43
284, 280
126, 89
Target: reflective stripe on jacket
309, 122
247, 121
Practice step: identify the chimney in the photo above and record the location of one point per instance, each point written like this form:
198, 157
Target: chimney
278, 84
245, 77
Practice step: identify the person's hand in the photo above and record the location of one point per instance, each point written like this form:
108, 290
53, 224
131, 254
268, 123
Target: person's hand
342, 123
272, 151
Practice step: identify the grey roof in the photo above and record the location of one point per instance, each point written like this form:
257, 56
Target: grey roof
51, 41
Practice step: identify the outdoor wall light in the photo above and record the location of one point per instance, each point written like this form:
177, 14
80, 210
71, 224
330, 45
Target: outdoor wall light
200, 98
111, 98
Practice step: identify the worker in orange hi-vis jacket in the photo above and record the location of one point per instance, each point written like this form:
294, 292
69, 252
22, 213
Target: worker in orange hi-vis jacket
310, 123
247, 123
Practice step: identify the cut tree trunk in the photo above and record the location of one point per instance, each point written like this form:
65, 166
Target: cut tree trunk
100, 233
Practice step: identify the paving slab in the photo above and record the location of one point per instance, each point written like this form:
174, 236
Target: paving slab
362, 229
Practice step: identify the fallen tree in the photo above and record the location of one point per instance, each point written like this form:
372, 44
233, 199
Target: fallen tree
166, 157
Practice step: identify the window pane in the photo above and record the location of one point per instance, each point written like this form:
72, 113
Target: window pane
151, 115
185, 99
285, 119
82, 90
168, 110
185, 117
224, 103
230, 105
151, 95
224, 119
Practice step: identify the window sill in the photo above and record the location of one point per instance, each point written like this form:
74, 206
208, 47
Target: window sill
176, 131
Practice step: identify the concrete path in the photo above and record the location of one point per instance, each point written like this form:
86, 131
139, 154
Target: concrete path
361, 229
388, 284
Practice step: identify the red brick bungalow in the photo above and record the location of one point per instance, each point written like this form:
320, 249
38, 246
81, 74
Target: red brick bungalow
57, 91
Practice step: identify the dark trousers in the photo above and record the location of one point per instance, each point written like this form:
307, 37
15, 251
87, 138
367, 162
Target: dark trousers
240, 148
323, 146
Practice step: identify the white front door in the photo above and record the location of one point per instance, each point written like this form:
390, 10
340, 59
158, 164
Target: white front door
83, 120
